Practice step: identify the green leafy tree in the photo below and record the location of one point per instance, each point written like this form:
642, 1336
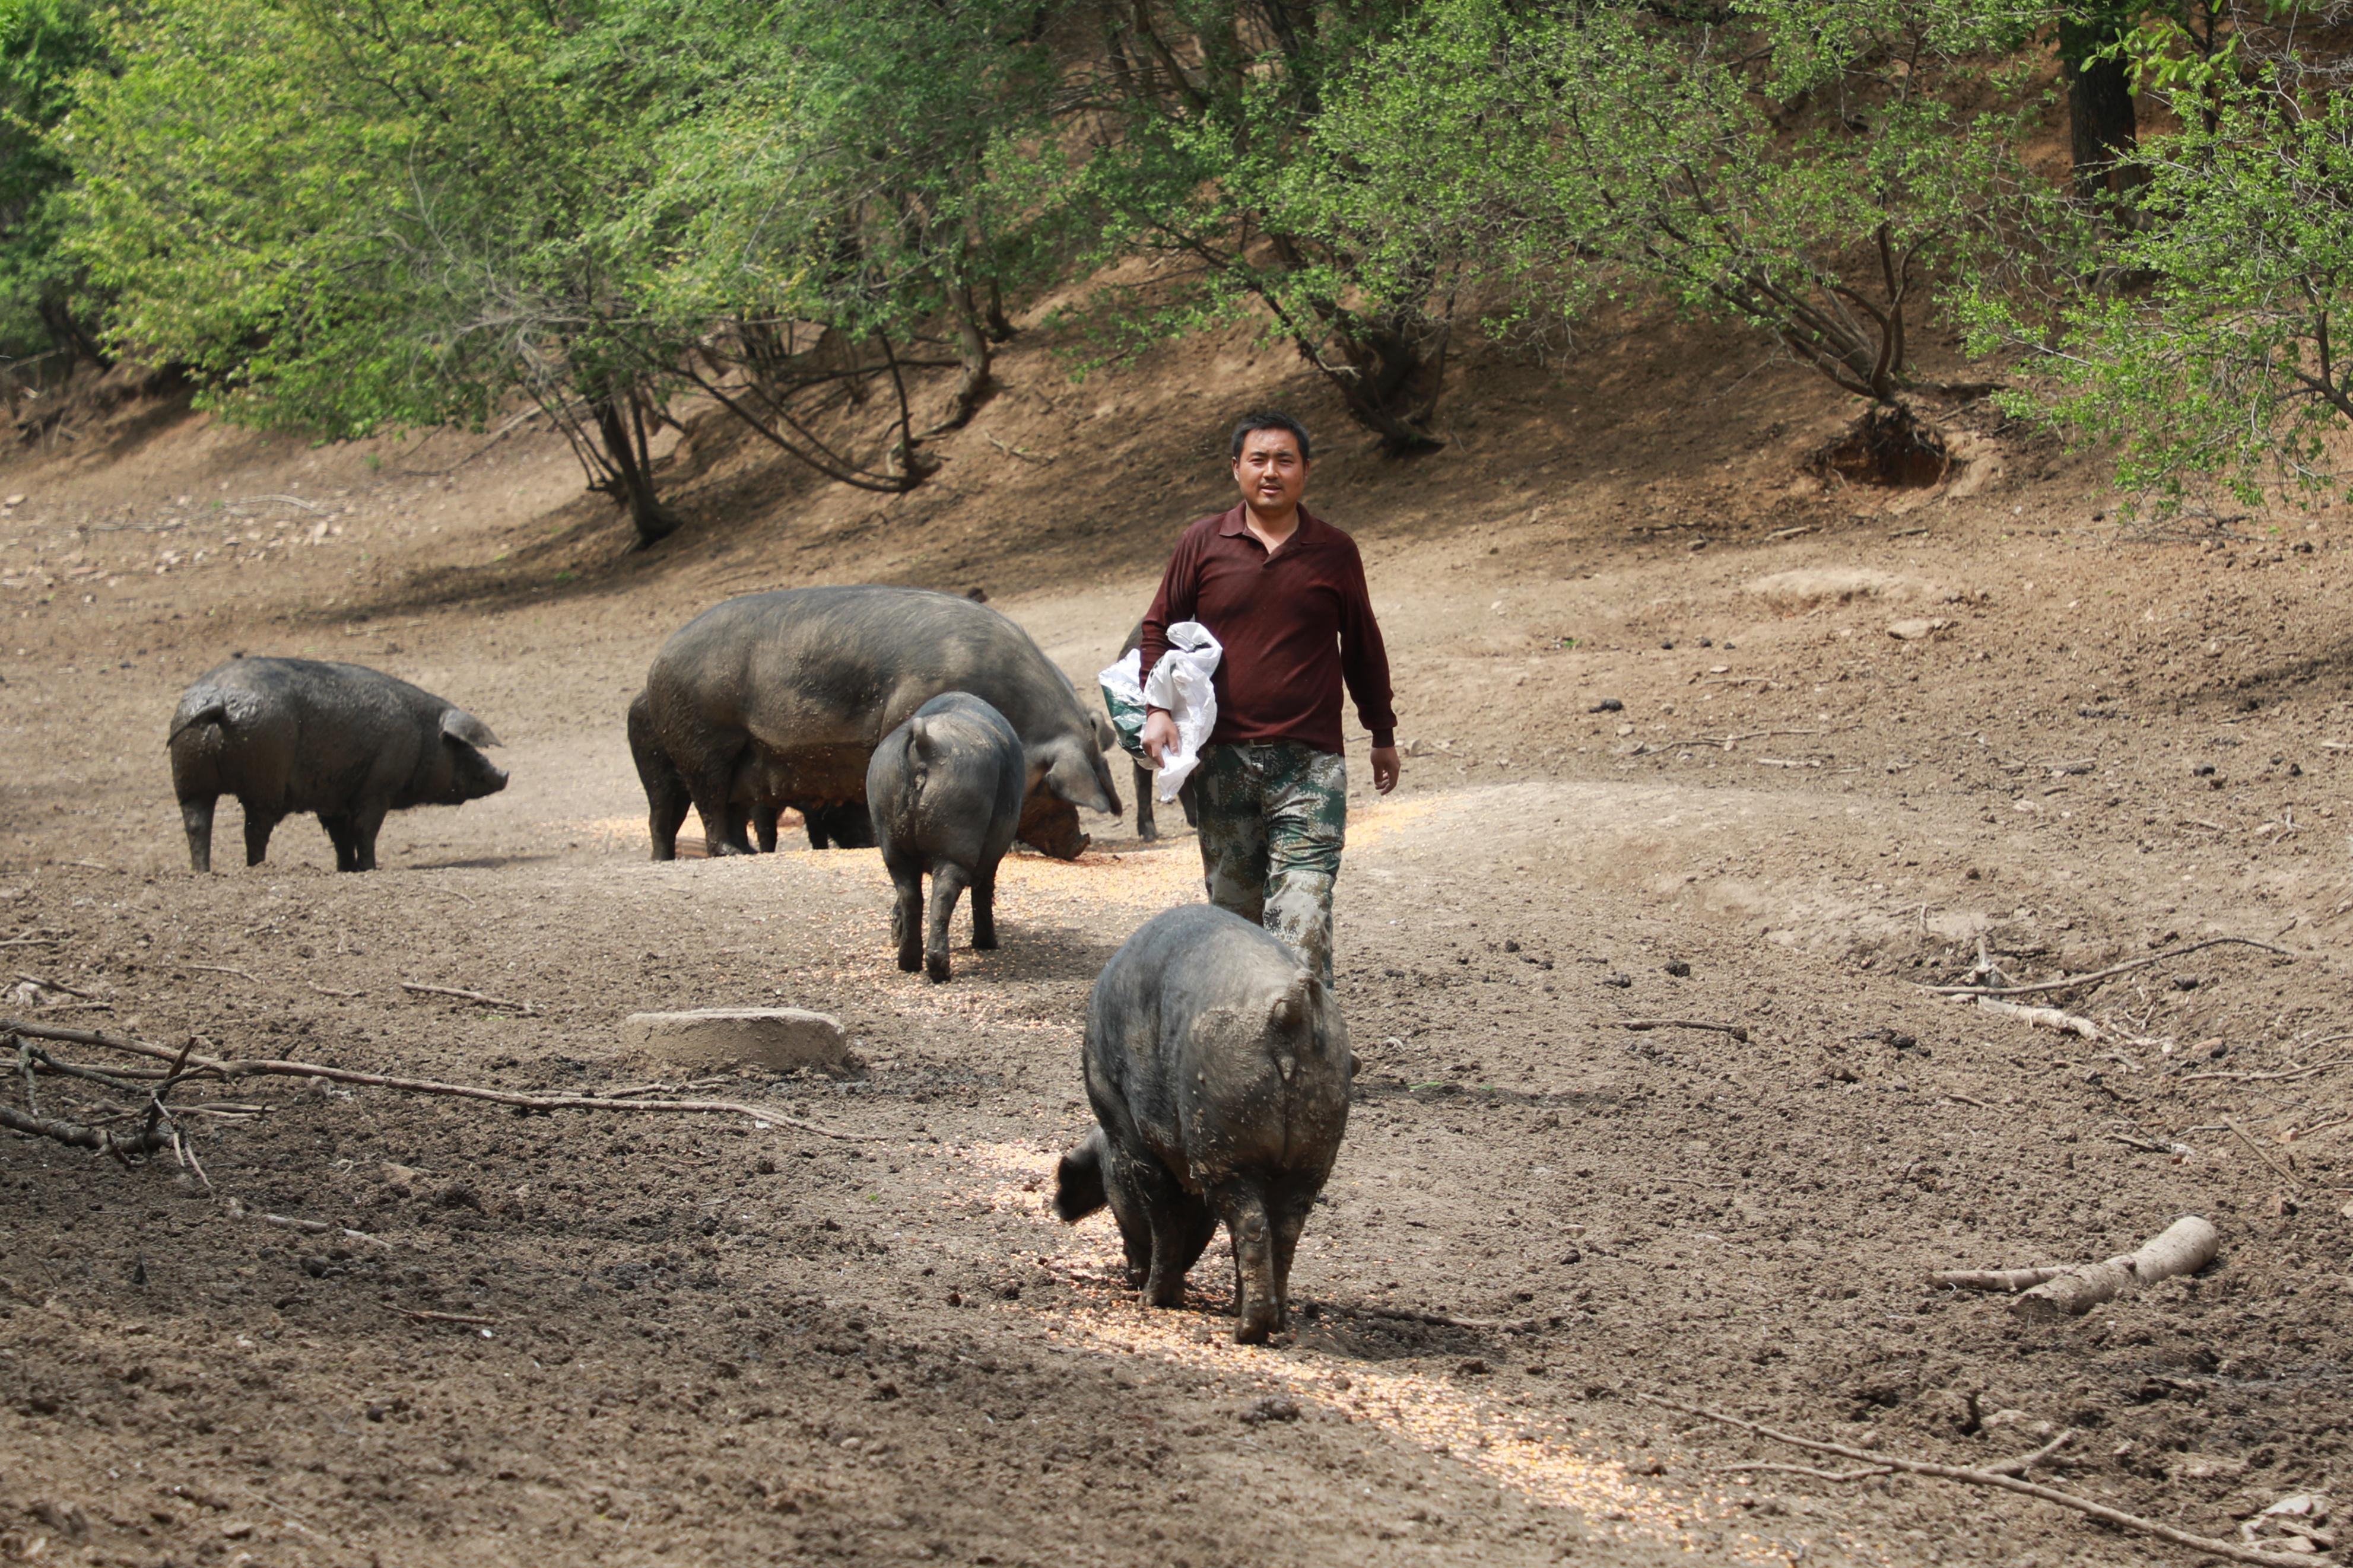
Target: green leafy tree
855, 193
2205, 340
1801, 170
347, 220
1200, 120
44, 45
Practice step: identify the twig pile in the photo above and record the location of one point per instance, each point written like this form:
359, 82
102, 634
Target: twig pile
158, 1130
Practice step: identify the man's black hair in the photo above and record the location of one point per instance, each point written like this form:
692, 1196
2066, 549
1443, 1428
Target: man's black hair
1265, 419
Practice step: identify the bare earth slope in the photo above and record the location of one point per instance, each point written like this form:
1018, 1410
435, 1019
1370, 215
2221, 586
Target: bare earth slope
1856, 736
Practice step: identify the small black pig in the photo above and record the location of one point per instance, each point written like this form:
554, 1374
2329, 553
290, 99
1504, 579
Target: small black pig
287, 735
945, 791
1219, 1067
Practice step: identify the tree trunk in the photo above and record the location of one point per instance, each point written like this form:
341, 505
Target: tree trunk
68, 333
621, 429
975, 385
2101, 129
1389, 374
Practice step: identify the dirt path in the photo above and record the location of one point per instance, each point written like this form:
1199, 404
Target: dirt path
701, 1337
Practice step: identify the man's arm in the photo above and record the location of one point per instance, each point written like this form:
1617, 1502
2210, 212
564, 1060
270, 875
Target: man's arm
1365, 667
1172, 602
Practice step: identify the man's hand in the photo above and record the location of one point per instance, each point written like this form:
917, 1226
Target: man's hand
1385, 767
1160, 738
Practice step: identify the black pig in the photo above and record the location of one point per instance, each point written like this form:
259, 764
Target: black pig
794, 689
286, 735
1219, 1067
944, 792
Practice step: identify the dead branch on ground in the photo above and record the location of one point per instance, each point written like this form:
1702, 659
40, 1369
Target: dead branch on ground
2263, 1155
232, 1068
2282, 1076
1814, 1470
464, 995
58, 985
2069, 982
154, 1134
2046, 1295
1737, 1031
2012, 1280
1990, 1478
2042, 1017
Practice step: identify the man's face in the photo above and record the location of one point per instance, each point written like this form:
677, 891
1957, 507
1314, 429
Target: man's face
1272, 473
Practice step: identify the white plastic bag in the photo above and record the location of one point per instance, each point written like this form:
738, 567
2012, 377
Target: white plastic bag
1180, 682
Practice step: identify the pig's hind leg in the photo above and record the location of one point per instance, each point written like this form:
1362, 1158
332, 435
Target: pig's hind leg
1179, 1227
338, 833
907, 912
1258, 1296
1289, 1212
949, 880
258, 825
196, 816
983, 909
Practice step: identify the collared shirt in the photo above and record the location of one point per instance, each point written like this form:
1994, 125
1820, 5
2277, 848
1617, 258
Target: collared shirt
1295, 625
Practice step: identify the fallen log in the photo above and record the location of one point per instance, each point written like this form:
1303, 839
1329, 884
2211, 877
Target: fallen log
2047, 1295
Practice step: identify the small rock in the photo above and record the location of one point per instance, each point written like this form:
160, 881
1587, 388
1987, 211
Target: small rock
1473, 1367
1608, 705
1625, 729
1273, 1408
1510, 945
1619, 981
1678, 969
1916, 630
783, 1038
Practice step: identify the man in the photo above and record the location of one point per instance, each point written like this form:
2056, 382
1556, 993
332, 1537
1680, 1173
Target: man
1284, 591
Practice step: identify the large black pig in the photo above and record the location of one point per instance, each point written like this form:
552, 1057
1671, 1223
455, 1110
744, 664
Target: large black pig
287, 735
797, 686
1219, 1069
944, 792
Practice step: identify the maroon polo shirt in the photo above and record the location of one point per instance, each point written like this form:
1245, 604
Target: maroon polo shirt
1295, 625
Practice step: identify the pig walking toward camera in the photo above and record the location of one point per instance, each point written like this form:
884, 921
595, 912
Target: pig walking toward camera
945, 790
1219, 1067
287, 735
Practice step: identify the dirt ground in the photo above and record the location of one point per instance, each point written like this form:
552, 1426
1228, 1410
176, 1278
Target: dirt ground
1688, 736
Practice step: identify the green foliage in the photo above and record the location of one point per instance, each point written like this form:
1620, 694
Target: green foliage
348, 221
1212, 161
1798, 171
44, 45
2211, 348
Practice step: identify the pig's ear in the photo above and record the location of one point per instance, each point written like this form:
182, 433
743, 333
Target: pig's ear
461, 725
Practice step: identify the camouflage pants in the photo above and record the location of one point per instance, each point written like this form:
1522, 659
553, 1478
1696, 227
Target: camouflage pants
1274, 817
